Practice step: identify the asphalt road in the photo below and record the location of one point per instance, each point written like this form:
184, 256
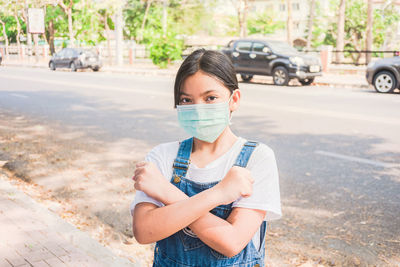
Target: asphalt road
338, 149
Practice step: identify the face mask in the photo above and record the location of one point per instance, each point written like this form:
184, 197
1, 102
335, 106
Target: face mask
204, 121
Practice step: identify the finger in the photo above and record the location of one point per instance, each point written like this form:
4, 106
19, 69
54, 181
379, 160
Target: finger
141, 164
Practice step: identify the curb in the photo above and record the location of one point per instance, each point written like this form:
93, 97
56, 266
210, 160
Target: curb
77, 238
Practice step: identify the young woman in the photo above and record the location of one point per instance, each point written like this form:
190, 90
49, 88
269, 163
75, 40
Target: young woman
206, 200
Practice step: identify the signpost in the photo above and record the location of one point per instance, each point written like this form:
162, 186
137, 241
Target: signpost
36, 26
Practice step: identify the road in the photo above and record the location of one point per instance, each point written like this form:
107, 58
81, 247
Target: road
338, 150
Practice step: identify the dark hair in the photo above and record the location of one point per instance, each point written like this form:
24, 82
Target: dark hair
211, 62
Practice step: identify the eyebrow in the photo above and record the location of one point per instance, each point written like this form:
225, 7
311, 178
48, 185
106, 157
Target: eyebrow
205, 93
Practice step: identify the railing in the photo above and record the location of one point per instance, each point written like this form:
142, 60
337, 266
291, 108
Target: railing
354, 57
23, 52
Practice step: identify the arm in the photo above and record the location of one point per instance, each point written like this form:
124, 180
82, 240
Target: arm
151, 224
236, 232
229, 236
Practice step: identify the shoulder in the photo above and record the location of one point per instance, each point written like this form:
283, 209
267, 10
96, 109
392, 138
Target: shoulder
262, 155
164, 150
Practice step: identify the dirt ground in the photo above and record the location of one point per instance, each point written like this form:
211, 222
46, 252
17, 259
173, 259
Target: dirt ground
87, 182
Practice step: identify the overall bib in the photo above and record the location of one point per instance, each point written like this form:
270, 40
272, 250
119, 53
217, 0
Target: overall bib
184, 248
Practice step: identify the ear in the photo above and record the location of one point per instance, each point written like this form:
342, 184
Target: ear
235, 102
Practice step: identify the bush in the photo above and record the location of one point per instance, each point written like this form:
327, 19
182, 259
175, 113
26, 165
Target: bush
165, 49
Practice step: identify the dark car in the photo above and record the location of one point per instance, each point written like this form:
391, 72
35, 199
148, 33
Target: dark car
384, 74
272, 58
75, 58
1, 58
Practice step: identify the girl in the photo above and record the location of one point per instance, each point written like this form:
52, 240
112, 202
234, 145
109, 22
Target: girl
206, 200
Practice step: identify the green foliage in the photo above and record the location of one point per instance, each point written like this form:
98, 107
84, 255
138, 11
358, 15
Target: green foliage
264, 23
165, 49
60, 21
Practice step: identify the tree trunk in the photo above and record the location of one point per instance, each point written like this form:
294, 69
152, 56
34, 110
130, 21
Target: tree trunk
289, 22
148, 3
107, 27
51, 37
164, 19
242, 9
310, 24
370, 17
5, 38
70, 29
18, 36
340, 34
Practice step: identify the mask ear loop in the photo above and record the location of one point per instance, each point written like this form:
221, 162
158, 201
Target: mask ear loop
230, 113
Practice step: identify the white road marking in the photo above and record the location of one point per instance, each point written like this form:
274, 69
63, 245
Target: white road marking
19, 95
359, 160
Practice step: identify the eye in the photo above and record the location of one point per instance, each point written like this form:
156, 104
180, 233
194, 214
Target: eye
185, 100
211, 98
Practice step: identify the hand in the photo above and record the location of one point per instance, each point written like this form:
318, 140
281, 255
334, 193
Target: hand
236, 183
149, 179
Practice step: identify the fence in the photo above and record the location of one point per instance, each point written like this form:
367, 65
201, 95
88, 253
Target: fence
42, 53
351, 57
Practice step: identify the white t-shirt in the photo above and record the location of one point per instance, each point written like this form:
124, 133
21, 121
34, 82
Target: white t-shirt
262, 165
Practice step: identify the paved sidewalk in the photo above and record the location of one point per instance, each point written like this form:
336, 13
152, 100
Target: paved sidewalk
31, 235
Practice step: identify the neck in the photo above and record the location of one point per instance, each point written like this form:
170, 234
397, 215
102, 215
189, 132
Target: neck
222, 143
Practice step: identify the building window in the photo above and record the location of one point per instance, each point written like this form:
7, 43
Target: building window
282, 7
296, 6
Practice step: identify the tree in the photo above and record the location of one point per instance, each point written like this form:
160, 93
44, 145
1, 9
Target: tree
67, 8
310, 24
264, 23
340, 30
369, 39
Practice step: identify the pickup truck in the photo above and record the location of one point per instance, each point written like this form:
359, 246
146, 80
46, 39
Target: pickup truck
272, 58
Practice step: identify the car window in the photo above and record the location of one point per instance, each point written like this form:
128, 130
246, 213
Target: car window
69, 53
282, 47
61, 53
259, 47
243, 46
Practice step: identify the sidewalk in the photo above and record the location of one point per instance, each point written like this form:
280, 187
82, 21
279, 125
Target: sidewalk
31, 235
336, 77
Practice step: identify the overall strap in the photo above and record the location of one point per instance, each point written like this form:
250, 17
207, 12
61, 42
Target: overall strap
182, 161
245, 153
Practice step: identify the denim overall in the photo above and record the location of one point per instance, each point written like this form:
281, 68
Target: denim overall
184, 248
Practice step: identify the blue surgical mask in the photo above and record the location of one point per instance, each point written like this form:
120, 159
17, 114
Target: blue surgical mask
204, 121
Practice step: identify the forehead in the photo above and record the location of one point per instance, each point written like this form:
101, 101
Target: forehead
201, 82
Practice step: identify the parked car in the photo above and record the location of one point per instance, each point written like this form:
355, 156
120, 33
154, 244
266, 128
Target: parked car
384, 74
272, 58
75, 58
1, 58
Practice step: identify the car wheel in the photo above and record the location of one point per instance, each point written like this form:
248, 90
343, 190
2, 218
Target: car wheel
52, 65
384, 82
72, 66
280, 76
307, 81
246, 77
96, 69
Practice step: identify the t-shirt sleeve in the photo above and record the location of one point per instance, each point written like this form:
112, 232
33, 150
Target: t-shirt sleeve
266, 194
141, 196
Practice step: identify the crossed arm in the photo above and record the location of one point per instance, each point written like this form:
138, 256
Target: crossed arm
151, 223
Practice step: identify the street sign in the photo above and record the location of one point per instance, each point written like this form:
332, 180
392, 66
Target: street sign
36, 20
